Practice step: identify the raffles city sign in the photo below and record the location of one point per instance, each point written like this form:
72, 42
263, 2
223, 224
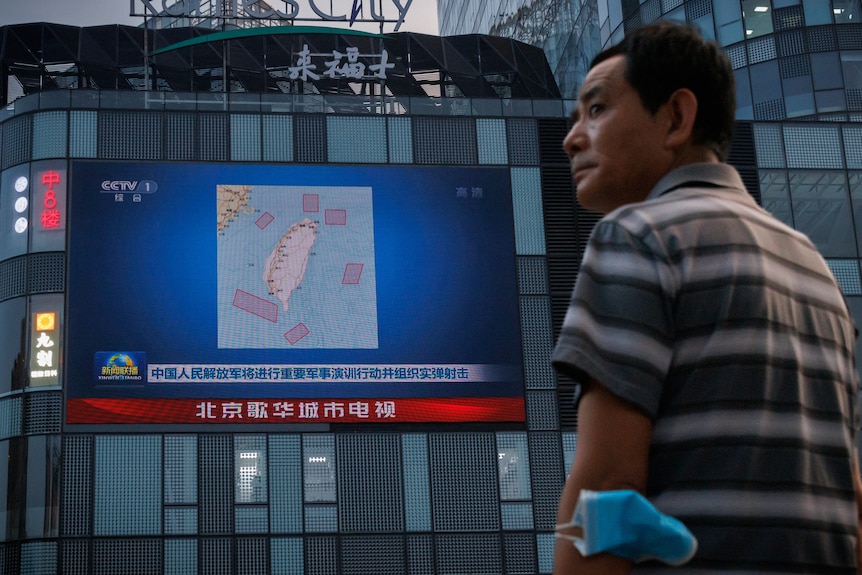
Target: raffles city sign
375, 11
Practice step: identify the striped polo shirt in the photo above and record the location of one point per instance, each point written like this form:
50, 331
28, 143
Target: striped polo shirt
728, 329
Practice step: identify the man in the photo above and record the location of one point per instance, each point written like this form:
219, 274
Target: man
713, 349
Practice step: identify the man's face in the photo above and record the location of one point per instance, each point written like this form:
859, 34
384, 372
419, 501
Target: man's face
615, 146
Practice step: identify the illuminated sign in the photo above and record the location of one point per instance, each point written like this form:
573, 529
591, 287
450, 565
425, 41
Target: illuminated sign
335, 68
21, 203
50, 213
51, 194
329, 10
44, 352
255, 294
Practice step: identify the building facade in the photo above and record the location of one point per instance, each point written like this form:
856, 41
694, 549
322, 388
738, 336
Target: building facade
147, 426
798, 67
102, 125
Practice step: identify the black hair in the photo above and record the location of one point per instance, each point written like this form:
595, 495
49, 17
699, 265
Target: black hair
664, 57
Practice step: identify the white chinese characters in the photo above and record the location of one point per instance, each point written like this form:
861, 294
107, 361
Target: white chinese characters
336, 68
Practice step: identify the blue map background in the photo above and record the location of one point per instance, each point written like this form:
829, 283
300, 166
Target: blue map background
337, 315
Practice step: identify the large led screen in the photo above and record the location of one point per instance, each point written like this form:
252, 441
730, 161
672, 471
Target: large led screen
226, 293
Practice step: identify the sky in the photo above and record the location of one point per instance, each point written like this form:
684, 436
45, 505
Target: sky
421, 15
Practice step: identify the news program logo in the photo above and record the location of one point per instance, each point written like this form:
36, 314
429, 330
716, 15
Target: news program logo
120, 365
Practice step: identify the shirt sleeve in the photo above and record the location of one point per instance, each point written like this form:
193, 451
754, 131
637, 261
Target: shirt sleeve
618, 328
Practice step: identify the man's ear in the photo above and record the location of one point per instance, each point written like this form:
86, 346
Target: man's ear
681, 110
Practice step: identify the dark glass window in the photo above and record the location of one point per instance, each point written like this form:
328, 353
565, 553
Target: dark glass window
855, 184
744, 108
817, 12
728, 22
826, 71
798, 97
855, 305
765, 82
13, 344
821, 210
830, 101
775, 195
846, 11
851, 65
43, 485
706, 26
4, 487
758, 18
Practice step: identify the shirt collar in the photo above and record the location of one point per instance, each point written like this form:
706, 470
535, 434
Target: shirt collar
713, 175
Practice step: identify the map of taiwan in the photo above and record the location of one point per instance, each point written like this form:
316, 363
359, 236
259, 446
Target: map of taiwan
284, 269
296, 267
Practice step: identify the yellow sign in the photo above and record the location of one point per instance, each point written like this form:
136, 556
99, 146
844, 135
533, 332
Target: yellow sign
45, 321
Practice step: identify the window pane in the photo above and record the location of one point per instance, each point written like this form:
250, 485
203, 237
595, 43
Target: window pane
830, 101
744, 108
817, 12
765, 82
5, 475
846, 11
43, 478
775, 195
250, 468
826, 71
855, 185
318, 462
704, 24
821, 210
798, 97
758, 18
851, 65
13, 342
728, 21
514, 466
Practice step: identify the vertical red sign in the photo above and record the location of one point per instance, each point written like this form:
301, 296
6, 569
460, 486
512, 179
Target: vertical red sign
50, 213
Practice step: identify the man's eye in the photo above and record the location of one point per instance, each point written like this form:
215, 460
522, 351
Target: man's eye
594, 109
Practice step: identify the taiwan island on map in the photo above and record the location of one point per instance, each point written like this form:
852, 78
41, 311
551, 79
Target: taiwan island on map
296, 267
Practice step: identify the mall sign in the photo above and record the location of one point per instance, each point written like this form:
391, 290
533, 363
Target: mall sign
351, 11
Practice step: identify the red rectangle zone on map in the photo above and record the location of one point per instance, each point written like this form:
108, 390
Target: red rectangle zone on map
310, 203
352, 273
264, 220
256, 305
335, 217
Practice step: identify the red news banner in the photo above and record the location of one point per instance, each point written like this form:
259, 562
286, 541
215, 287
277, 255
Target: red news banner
251, 411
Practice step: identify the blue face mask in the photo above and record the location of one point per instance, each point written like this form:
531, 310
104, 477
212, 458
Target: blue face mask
625, 524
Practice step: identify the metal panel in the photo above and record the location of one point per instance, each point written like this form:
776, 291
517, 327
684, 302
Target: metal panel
117, 141
127, 485
356, 139
464, 489
370, 488
138, 556
216, 484
378, 554
477, 554
537, 342
77, 502
445, 141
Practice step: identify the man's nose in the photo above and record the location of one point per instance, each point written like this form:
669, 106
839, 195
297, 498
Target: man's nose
574, 140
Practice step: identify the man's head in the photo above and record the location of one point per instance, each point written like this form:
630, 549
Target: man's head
665, 57
661, 98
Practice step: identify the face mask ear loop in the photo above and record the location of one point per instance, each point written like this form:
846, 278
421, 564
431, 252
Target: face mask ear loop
579, 543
